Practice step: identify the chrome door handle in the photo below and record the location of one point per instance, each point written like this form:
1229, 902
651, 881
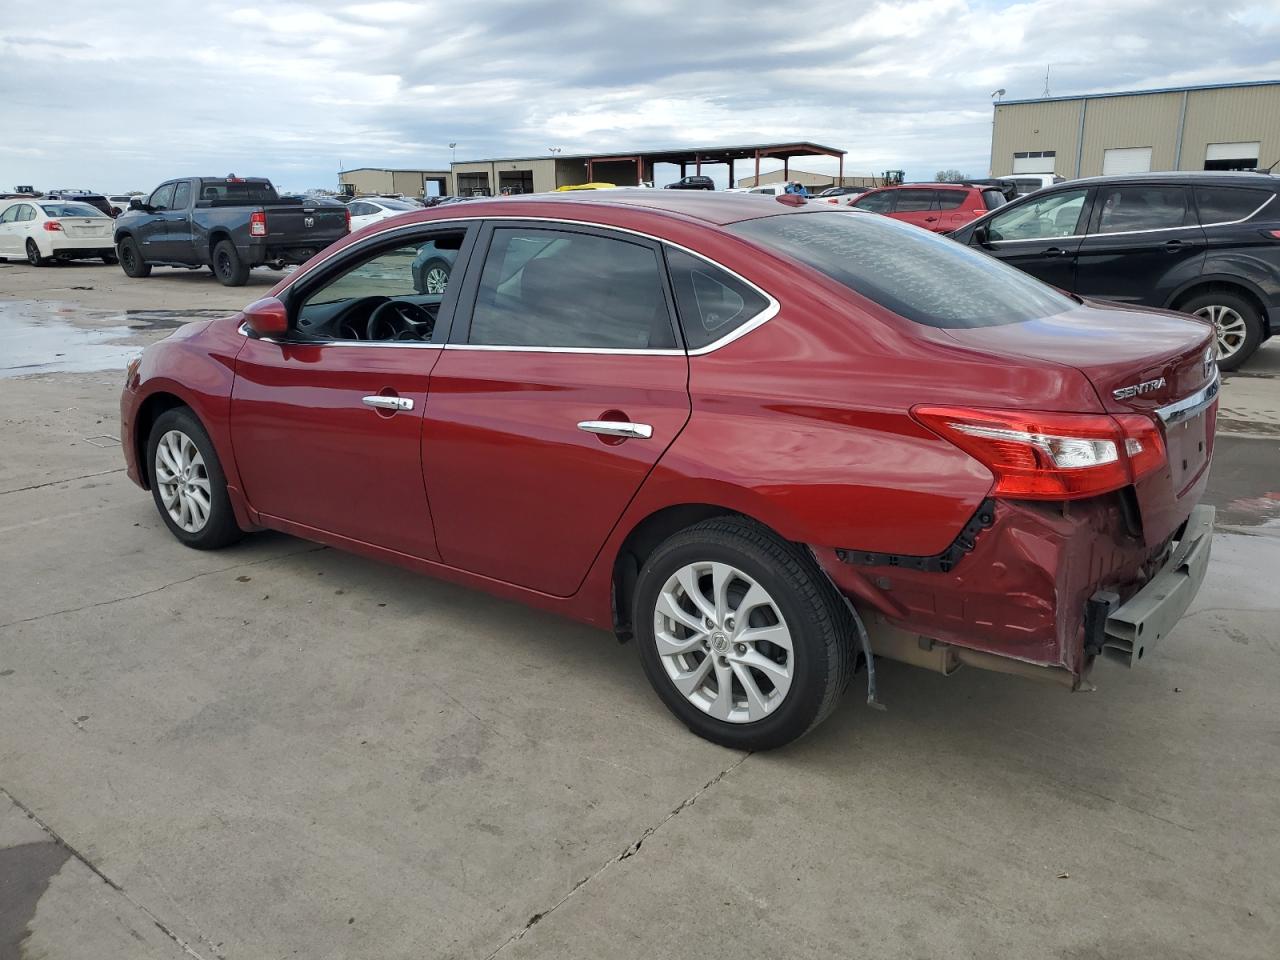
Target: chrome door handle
389, 403
617, 428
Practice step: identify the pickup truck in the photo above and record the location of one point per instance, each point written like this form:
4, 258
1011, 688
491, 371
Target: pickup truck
229, 224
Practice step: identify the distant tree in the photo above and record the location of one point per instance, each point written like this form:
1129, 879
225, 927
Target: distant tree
950, 176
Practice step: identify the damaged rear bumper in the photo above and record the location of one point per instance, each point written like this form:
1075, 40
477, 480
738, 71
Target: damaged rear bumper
1134, 627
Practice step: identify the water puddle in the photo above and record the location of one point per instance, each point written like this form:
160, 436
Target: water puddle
40, 337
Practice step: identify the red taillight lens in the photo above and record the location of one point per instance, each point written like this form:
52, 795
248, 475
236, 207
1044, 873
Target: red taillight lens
1273, 234
52, 225
1051, 456
258, 223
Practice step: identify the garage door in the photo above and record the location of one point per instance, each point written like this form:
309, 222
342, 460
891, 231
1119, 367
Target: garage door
1232, 156
1126, 160
1035, 162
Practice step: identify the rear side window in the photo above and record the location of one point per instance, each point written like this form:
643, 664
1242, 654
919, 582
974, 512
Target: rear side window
876, 202
554, 288
1228, 204
993, 198
711, 302
909, 200
919, 275
1144, 207
182, 195
951, 199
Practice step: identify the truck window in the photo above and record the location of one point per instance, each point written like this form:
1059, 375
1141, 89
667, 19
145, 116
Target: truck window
182, 195
232, 192
162, 199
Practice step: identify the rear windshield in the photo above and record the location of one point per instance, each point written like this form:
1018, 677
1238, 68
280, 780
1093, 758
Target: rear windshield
397, 204
222, 192
919, 275
70, 210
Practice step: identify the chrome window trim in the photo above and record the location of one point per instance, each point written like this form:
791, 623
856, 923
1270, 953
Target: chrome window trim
381, 344
1190, 406
1125, 233
771, 308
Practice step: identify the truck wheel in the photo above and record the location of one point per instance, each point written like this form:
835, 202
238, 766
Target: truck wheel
230, 270
35, 257
131, 261
1236, 321
741, 635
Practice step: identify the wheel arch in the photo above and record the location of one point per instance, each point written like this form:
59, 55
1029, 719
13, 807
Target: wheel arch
149, 411
216, 236
1227, 284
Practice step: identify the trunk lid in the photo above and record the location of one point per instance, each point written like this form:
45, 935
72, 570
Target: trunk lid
86, 226
1138, 361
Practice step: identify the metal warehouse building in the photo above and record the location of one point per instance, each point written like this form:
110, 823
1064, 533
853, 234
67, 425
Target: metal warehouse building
1215, 127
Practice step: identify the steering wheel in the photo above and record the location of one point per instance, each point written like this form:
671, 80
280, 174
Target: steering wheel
399, 320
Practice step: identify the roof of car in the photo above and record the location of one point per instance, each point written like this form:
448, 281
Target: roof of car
1234, 177
717, 207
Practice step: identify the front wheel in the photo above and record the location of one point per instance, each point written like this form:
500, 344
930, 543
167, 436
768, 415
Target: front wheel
187, 482
1237, 322
230, 270
741, 635
435, 276
35, 257
130, 257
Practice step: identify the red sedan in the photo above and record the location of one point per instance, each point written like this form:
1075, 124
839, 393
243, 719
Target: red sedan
764, 440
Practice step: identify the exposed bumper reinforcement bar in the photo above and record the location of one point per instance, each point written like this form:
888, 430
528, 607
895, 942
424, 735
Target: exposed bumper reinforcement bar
1148, 616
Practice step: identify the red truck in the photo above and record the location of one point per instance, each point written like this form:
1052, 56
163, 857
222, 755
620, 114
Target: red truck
763, 441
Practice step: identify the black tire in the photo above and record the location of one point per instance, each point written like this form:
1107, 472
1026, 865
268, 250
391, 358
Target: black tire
220, 528
35, 257
130, 258
110, 259
435, 264
1243, 308
823, 652
230, 270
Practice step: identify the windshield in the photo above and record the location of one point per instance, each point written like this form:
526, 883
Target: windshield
919, 275
70, 210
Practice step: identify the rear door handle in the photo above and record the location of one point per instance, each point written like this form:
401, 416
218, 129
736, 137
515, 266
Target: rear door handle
1057, 252
1175, 245
617, 428
930, 219
389, 403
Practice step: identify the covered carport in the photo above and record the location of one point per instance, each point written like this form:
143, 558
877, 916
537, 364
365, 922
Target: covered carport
617, 167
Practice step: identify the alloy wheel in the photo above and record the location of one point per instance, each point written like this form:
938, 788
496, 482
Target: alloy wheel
437, 279
33, 253
1230, 326
183, 481
723, 642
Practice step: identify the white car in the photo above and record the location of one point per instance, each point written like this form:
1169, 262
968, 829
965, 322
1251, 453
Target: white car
367, 210
48, 230
121, 200
840, 196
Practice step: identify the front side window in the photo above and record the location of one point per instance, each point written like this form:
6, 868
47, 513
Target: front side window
162, 199
875, 202
11, 214
393, 295
1056, 215
1228, 204
919, 275
1142, 207
711, 303
555, 288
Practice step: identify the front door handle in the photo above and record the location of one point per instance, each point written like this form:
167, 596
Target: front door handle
389, 403
1057, 252
1172, 246
617, 428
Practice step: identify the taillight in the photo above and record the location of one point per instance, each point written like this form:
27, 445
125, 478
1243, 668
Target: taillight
347, 211
1051, 456
52, 225
258, 223
1273, 234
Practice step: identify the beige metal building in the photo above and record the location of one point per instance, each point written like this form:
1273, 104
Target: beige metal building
364, 181
812, 181
1215, 127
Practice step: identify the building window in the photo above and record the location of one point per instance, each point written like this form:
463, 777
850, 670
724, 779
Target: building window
1035, 161
1121, 160
1232, 156
473, 185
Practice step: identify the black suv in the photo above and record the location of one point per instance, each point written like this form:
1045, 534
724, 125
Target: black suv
1202, 243
691, 183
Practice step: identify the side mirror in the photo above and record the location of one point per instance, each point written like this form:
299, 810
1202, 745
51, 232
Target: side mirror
136, 204
267, 317
981, 236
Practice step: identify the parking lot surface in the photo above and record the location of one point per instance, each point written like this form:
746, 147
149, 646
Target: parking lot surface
281, 750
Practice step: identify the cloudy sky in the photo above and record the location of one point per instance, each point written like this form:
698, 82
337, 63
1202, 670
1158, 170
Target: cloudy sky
119, 96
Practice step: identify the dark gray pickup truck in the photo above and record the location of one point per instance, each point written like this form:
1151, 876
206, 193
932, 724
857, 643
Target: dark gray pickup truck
229, 224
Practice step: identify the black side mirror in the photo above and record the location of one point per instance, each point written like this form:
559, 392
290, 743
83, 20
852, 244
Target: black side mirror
981, 236
136, 204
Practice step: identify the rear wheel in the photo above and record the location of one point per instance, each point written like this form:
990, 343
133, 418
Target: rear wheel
741, 635
435, 276
131, 261
1236, 320
230, 270
187, 482
35, 257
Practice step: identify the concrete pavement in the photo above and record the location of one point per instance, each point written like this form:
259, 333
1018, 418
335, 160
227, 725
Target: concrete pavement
281, 750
